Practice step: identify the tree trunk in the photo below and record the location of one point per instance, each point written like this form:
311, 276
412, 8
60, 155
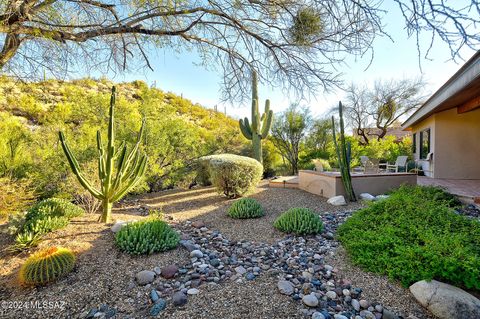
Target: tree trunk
107, 211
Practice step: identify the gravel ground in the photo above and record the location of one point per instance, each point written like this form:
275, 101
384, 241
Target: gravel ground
104, 275
378, 288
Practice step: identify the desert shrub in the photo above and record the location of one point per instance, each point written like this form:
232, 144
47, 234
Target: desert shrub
203, 172
147, 237
301, 221
47, 265
15, 196
50, 214
415, 234
246, 208
234, 175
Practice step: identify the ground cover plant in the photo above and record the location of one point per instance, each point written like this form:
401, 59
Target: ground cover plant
300, 221
147, 237
246, 208
415, 234
43, 217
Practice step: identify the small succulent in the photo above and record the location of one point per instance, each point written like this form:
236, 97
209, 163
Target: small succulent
301, 221
147, 237
246, 208
47, 265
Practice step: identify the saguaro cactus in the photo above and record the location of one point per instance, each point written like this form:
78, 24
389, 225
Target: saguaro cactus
129, 168
260, 126
344, 150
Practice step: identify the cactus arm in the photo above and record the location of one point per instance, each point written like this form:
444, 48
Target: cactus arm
76, 168
245, 128
138, 173
107, 182
255, 117
267, 124
101, 158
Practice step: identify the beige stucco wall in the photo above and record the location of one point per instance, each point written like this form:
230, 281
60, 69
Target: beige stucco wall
455, 144
458, 145
328, 185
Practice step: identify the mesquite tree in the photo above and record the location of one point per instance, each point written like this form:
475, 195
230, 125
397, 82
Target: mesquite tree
116, 179
344, 152
258, 130
293, 44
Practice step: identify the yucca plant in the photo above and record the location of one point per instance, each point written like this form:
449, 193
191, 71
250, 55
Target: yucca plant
116, 180
301, 221
47, 265
245, 208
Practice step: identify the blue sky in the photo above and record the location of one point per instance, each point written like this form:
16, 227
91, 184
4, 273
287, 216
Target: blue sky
179, 74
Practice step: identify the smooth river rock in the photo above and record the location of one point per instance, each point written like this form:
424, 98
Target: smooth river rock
446, 301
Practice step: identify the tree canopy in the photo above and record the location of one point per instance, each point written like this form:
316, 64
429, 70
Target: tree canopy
291, 44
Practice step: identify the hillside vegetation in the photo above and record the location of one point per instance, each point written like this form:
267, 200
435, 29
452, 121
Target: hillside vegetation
177, 131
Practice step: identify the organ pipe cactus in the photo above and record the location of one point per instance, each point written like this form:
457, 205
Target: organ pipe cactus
344, 150
260, 126
116, 179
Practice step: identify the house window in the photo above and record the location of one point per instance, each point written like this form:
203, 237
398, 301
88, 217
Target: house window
424, 143
414, 143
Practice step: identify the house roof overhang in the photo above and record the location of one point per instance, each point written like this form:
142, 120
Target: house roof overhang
459, 91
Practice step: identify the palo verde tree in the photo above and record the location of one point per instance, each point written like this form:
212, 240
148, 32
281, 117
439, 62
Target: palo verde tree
258, 130
116, 179
292, 44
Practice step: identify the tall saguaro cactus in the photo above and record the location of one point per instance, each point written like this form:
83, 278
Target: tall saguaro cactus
116, 179
344, 150
260, 126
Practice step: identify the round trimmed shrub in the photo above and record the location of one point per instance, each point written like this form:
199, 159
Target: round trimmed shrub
301, 221
233, 175
147, 237
246, 208
47, 265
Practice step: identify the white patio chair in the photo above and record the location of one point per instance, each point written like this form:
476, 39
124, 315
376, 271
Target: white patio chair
363, 161
400, 162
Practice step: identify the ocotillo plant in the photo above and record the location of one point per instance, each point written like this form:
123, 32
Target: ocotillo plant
344, 151
116, 179
260, 124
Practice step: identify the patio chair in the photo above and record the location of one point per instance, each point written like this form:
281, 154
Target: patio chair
363, 161
400, 162
372, 165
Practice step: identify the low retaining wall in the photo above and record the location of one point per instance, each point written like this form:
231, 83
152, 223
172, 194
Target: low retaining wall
329, 184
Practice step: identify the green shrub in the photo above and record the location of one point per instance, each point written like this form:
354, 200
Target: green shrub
15, 196
47, 265
301, 221
25, 241
414, 235
146, 237
50, 214
245, 208
233, 175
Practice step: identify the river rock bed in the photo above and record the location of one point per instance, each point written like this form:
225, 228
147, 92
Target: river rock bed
296, 262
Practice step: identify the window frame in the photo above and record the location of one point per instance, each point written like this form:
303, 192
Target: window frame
422, 155
414, 143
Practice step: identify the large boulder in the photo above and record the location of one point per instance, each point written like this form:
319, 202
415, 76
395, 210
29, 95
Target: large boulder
337, 200
446, 301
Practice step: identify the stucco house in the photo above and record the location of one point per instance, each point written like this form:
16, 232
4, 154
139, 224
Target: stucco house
446, 128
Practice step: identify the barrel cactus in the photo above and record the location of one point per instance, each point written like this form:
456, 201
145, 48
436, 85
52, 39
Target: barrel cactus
301, 221
47, 265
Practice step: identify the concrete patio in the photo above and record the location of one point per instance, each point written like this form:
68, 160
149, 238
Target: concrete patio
467, 189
